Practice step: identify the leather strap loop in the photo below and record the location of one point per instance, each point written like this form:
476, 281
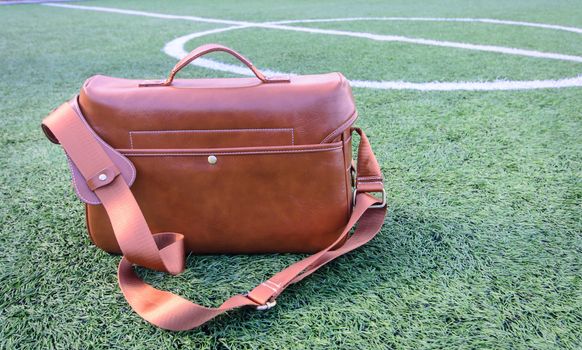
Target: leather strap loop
103, 178
206, 49
165, 251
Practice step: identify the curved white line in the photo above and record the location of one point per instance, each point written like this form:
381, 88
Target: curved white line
437, 19
403, 85
430, 42
470, 86
377, 37
147, 14
175, 49
233, 22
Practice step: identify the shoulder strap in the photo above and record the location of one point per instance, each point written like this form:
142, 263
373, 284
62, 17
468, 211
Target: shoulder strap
165, 251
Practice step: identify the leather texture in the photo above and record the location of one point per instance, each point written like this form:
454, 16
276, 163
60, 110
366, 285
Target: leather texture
317, 108
82, 190
281, 176
253, 200
291, 191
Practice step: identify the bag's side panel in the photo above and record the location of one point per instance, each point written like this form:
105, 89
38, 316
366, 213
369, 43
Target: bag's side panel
259, 200
348, 163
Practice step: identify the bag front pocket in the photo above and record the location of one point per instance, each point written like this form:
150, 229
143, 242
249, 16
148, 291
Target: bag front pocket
238, 200
218, 138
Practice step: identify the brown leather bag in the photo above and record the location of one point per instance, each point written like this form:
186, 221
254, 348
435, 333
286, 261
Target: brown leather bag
246, 165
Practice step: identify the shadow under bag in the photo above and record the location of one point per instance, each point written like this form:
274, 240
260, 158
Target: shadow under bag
235, 166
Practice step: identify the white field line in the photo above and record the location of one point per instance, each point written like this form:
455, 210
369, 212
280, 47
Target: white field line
22, 2
148, 14
377, 37
470, 86
175, 49
430, 42
398, 85
437, 19
350, 19
177, 45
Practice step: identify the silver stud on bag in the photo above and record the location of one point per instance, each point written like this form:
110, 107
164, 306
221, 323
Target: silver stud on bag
102, 177
212, 159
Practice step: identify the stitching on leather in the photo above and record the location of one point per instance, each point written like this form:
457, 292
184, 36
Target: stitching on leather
77, 191
178, 154
371, 182
131, 132
342, 126
131, 167
369, 177
204, 130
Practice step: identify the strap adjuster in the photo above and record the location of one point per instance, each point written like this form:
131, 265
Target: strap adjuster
266, 306
380, 205
103, 178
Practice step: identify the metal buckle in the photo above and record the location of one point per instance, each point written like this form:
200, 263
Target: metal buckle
380, 205
266, 306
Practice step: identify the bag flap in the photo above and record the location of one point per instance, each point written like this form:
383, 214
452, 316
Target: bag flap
317, 108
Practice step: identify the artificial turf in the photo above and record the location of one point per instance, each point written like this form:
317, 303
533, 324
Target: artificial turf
482, 246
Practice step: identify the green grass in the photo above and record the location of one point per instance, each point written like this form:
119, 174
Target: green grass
482, 247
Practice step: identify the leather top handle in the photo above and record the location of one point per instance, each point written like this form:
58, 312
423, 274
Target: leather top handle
208, 48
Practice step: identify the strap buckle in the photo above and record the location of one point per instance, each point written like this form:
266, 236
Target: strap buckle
266, 306
380, 205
